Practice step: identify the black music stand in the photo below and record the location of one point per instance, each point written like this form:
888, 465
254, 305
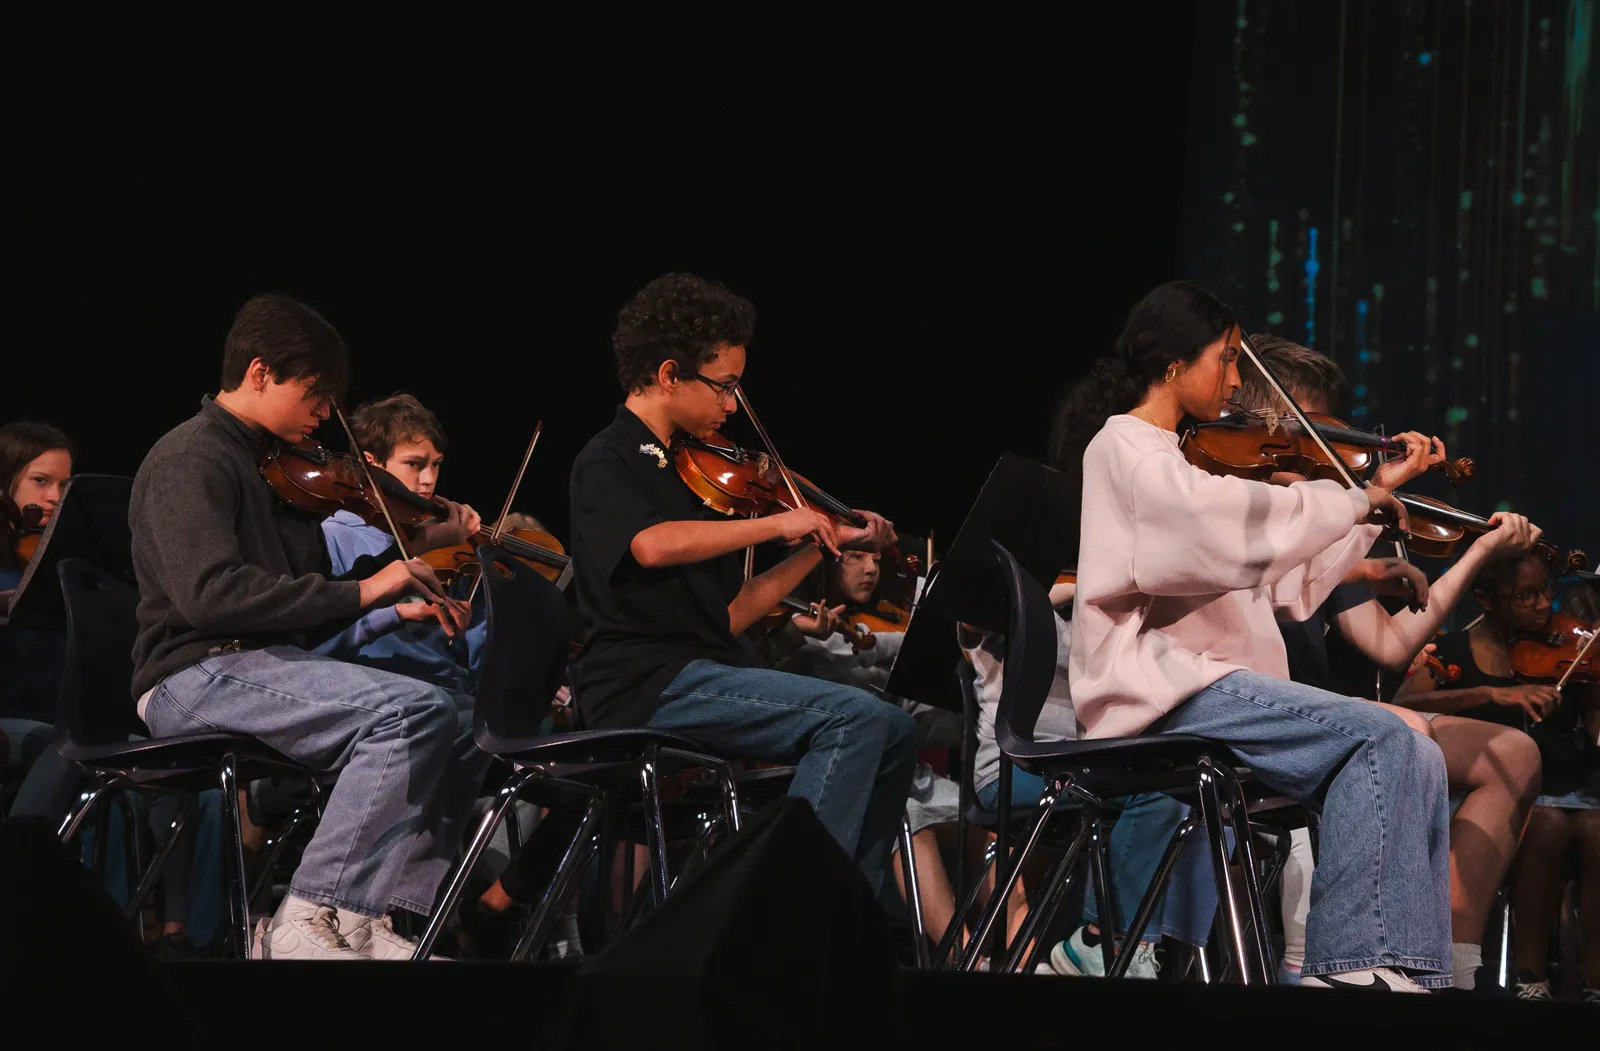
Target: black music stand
1029, 508
90, 523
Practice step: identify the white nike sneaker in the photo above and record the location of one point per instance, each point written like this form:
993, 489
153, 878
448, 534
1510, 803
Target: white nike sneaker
1076, 958
301, 930
376, 940
1377, 979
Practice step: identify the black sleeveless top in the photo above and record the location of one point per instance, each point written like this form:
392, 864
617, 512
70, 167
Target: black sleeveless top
1456, 648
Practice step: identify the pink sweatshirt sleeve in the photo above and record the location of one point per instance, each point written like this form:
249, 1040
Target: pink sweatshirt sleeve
1299, 592
1201, 534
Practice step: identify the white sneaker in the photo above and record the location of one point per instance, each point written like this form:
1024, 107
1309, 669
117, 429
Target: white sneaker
376, 940
1377, 979
1076, 958
301, 930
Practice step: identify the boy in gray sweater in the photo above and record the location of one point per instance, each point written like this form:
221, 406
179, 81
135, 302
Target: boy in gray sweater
235, 593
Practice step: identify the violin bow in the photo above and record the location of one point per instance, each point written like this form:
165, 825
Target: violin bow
499, 529
772, 450
372, 483
1342, 468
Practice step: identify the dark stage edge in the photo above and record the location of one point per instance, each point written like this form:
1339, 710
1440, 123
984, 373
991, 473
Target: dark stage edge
449, 1005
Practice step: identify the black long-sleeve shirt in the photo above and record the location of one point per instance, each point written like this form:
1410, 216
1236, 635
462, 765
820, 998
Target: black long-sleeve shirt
221, 561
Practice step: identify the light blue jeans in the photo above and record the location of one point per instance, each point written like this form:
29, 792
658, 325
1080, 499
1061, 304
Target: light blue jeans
1380, 895
854, 754
408, 769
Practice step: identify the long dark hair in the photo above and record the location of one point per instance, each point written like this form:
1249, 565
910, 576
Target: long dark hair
1174, 322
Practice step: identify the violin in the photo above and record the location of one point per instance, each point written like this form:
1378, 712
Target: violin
1437, 530
533, 547
860, 638
316, 479
1441, 671
1563, 652
25, 526
1258, 443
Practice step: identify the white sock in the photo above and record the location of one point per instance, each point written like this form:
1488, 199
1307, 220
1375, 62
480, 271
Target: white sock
1464, 963
350, 921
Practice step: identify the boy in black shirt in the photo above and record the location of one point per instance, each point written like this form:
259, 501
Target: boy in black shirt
662, 592
235, 590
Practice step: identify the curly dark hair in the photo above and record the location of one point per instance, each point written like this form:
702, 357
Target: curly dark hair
681, 318
1174, 322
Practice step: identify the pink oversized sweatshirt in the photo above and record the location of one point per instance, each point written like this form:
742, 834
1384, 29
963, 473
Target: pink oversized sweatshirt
1182, 575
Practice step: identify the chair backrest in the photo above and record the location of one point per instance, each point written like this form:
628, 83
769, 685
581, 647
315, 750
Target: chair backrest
1030, 654
96, 705
524, 650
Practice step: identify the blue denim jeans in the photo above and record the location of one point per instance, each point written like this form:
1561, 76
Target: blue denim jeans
1138, 839
1380, 895
854, 754
408, 769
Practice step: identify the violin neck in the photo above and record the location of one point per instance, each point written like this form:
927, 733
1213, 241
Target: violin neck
822, 501
523, 549
1452, 515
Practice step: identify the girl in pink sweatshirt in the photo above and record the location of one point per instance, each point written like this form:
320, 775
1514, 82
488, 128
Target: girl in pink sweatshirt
1181, 578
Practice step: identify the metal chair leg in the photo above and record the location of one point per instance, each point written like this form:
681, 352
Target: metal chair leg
908, 866
275, 848
157, 863
959, 924
1501, 917
1244, 845
1100, 866
233, 854
1055, 889
655, 832
1152, 895
1006, 871
456, 881
564, 882
132, 847
1211, 814
85, 803
701, 848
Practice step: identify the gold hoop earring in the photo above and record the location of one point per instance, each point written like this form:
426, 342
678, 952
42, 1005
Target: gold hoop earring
1172, 371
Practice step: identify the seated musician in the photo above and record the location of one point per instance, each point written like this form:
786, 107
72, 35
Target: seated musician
1497, 767
1181, 575
35, 463
660, 583
401, 436
235, 588
1514, 595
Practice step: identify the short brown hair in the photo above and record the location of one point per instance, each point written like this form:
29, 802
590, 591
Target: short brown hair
291, 339
381, 425
1301, 369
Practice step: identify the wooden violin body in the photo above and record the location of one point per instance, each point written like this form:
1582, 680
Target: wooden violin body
1437, 530
1259, 445
24, 526
317, 479
1547, 655
739, 481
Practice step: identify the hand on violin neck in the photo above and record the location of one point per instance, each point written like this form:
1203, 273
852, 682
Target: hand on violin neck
821, 625
460, 525
1422, 453
1512, 537
1391, 576
878, 534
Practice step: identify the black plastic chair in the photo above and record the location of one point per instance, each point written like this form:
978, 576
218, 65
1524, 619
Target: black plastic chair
525, 652
1095, 770
95, 719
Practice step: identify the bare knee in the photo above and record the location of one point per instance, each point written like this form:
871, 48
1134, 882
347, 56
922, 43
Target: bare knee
1415, 720
1517, 755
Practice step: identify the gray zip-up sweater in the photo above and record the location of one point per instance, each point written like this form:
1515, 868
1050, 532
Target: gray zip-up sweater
222, 562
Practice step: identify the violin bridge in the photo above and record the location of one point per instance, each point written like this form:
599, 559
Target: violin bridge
1272, 419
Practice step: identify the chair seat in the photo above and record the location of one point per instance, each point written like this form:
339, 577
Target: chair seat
155, 756
1114, 766
583, 747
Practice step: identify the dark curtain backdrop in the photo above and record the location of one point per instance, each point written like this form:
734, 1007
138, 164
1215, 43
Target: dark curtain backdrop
934, 247
1413, 187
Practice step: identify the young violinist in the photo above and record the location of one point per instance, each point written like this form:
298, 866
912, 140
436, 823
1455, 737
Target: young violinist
1496, 766
661, 588
235, 590
1181, 577
1515, 596
401, 436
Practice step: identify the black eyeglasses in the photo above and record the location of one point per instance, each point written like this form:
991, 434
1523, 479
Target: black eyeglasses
1525, 598
727, 390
